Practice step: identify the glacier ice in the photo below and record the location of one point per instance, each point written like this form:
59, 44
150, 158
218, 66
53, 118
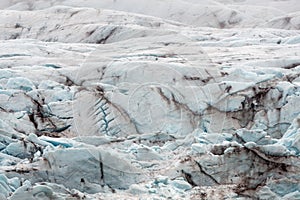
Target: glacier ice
101, 100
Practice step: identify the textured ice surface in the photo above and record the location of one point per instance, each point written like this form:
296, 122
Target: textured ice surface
161, 100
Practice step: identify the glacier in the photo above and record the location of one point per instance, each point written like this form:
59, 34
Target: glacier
163, 100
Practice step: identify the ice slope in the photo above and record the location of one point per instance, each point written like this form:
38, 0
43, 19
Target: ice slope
90, 25
218, 13
103, 104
